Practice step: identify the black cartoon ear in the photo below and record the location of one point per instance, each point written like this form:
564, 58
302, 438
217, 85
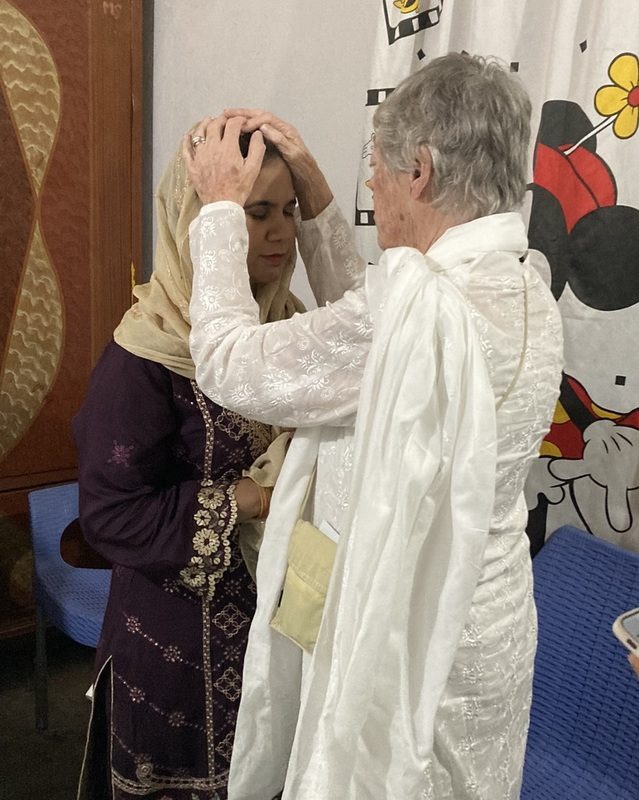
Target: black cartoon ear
564, 122
547, 232
603, 270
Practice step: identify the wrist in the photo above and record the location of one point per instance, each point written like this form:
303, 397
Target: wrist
314, 201
247, 498
313, 192
253, 501
222, 197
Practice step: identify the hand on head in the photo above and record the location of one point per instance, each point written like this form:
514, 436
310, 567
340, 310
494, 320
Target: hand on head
214, 162
313, 192
283, 135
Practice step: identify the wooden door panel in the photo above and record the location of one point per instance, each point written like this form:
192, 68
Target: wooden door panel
70, 175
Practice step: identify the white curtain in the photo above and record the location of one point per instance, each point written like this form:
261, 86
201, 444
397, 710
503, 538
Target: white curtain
579, 62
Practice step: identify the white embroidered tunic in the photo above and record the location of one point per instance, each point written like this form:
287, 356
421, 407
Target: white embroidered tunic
402, 700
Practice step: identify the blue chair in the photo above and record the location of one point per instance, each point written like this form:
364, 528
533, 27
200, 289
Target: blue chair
70, 598
584, 727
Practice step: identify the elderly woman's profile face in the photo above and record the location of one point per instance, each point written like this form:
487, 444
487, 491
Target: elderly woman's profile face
270, 222
391, 195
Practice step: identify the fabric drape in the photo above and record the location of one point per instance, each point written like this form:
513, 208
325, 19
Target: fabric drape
425, 442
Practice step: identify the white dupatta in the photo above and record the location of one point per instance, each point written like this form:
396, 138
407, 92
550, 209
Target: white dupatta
422, 496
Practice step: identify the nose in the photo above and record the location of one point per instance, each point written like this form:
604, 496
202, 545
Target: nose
281, 229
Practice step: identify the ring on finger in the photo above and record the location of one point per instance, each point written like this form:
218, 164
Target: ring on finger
197, 140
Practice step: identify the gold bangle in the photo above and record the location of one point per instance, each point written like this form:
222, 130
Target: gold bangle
265, 501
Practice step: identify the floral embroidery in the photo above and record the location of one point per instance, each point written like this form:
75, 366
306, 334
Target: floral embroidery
237, 426
172, 653
176, 719
205, 541
233, 652
210, 298
133, 625
238, 245
209, 224
121, 454
193, 576
137, 695
210, 496
202, 517
218, 512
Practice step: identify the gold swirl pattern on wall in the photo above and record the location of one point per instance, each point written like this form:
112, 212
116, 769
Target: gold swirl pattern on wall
32, 87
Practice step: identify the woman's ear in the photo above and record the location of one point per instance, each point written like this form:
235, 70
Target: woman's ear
421, 175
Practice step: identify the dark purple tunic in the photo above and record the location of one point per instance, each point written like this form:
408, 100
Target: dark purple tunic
156, 463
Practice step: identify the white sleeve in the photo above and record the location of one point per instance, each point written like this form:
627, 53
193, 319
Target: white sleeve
327, 247
301, 372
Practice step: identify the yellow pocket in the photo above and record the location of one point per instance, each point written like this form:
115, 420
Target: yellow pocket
310, 561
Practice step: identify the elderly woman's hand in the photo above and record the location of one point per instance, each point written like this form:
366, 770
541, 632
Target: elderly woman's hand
215, 164
313, 192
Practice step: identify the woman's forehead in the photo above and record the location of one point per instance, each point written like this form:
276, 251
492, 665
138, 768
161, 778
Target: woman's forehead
274, 183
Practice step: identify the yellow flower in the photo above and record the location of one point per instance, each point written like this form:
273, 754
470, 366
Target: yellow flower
622, 98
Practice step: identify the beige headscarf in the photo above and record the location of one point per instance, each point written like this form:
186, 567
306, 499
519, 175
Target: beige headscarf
157, 327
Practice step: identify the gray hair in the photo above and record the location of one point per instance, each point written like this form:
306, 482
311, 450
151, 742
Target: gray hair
473, 115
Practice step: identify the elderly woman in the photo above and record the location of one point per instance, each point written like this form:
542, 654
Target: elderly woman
447, 358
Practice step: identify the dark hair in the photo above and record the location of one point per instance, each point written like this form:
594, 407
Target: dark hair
271, 150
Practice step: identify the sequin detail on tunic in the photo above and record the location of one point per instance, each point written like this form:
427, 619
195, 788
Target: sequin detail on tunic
211, 543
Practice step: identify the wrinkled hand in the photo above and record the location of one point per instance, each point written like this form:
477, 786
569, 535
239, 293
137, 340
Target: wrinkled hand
313, 192
215, 165
283, 135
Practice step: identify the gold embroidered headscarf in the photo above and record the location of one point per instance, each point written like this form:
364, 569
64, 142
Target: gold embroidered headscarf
157, 327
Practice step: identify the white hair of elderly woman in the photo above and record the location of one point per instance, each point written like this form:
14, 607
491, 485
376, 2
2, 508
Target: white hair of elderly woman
473, 116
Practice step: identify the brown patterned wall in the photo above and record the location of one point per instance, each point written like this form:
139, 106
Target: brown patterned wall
16, 219
70, 132
45, 79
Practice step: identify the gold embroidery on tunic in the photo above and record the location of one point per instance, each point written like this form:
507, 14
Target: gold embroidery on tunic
236, 426
215, 520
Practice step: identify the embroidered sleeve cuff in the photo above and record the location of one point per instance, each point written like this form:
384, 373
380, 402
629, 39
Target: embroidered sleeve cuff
215, 521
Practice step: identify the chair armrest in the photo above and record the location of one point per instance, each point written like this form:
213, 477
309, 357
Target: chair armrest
76, 551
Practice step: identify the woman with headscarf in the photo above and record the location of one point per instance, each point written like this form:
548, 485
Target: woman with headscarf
161, 495
450, 357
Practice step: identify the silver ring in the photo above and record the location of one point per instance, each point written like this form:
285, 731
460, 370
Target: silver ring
196, 140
